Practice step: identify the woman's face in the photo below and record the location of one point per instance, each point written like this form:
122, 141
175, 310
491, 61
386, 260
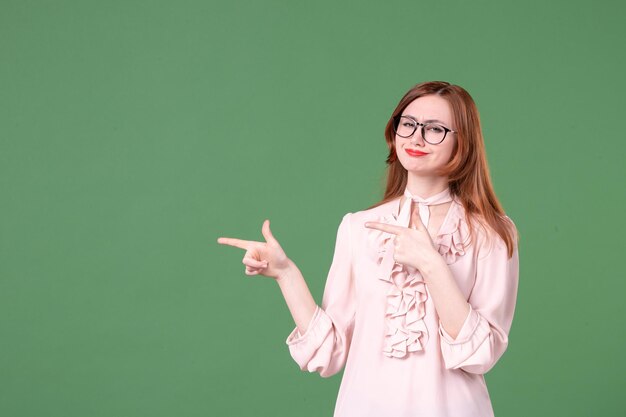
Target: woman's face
431, 108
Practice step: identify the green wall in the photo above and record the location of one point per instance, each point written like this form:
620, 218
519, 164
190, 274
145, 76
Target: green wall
134, 133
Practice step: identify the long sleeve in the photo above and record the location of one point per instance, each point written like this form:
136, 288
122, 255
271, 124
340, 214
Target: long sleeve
324, 346
483, 338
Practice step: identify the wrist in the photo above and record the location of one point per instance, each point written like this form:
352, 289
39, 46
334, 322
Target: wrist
286, 273
433, 266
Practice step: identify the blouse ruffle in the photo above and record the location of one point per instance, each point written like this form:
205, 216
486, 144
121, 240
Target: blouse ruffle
406, 330
453, 235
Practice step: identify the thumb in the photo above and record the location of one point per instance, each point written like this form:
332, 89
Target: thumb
267, 233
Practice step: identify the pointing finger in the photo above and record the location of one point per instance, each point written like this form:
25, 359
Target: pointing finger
243, 244
389, 228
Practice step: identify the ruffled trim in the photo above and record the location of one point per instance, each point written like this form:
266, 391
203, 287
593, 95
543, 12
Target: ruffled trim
453, 235
404, 315
405, 329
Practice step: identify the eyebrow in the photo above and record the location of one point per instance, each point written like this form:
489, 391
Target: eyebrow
425, 121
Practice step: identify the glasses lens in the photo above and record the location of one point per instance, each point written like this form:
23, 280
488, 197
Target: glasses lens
405, 127
434, 133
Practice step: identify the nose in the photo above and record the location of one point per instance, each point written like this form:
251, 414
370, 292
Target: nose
417, 138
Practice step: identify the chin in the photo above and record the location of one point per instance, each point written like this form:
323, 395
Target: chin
420, 170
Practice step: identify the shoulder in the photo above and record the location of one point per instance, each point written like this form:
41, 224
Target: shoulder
489, 241
355, 221
381, 210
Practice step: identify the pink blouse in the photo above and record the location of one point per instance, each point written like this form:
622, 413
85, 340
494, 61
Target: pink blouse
378, 320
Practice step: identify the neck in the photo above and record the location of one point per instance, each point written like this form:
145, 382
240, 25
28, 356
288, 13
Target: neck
425, 187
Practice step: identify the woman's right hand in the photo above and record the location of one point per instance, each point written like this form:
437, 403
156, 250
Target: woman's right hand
265, 258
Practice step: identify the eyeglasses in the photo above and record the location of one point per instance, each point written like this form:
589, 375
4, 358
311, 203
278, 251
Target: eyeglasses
433, 133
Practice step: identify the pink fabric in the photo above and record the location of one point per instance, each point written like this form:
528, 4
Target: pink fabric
430, 373
406, 329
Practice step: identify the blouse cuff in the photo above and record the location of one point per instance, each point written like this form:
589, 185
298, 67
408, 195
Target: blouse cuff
303, 346
469, 346
467, 329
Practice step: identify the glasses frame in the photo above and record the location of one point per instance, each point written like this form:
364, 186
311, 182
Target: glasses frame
396, 121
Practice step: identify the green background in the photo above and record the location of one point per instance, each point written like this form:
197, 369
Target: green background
134, 133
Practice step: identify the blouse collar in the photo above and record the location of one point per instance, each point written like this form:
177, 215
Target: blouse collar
403, 211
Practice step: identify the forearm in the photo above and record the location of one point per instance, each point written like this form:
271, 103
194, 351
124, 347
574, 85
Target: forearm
452, 307
297, 296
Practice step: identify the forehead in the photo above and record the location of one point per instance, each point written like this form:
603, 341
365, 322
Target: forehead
429, 108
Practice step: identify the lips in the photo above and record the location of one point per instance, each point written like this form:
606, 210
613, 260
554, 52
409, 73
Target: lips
415, 153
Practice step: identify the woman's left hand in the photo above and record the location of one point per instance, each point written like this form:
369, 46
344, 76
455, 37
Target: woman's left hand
413, 245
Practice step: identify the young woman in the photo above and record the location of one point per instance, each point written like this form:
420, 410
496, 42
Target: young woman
421, 292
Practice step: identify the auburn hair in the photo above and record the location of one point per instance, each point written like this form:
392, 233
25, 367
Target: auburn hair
467, 169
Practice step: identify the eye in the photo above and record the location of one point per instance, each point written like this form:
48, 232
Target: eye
407, 122
435, 128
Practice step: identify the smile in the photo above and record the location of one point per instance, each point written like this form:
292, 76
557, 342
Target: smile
415, 153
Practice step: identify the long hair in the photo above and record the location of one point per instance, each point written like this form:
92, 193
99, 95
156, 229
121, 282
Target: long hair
467, 169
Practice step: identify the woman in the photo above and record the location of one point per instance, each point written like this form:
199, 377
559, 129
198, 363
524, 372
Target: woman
421, 292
